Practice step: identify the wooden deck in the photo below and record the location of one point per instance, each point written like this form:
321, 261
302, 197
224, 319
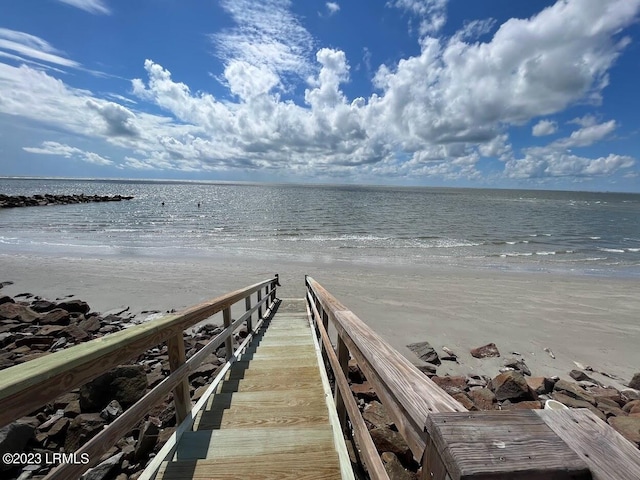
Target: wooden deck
272, 417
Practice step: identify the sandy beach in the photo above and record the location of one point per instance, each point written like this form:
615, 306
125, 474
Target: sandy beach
590, 320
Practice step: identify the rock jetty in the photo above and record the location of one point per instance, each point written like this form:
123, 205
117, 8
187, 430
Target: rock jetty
8, 201
32, 327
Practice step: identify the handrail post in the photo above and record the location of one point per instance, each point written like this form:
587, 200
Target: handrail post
260, 307
343, 359
226, 319
247, 304
177, 358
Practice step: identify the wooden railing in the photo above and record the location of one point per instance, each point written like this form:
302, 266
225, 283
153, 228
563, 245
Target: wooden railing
26, 387
408, 395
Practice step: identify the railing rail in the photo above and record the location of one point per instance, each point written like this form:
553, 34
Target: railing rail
407, 394
28, 386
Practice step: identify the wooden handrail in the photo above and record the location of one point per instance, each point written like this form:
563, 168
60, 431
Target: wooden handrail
28, 386
407, 394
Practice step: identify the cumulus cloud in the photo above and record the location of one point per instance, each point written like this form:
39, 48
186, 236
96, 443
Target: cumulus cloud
119, 120
588, 135
544, 127
60, 149
97, 7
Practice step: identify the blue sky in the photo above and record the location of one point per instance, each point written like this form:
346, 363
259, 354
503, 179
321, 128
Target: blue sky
497, 93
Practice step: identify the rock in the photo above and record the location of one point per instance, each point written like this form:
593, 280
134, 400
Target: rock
628, 427
76, 333
127, 384
72, 410
476, 381
58, 428
574, 391
451, 385
484, 399
629, 394
51, 330
464, 399
540, 385
580, 376
517, 365
42, 306
205, 369
14, 438
376, 415
394, 469
81, 429
510, 386
526, 405
35, 341
197, 395
364, 391
635, 382
632, 407
611, 411
425, 352
102, 470
112, 411
608, 393
57, 316
387, 440
489, 350
6, 299
577, 403
16, 311
74, 306
90, 325
147, 440
427, 369
355, 374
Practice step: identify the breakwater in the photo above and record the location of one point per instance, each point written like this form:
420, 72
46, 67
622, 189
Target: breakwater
8, 201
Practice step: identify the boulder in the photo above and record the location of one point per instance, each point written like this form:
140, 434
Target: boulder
632, 407
16, 311
90, 325
451, 385
355, 374
606, 393
425, 352
427, 368
465, 401
364, 391
488, 350
573, 390
6, 299
81, 429
14, 437
387, 440
540, 385
635, 382
376, 415
628, 427
146, 441
518, 365
112, 411
394, 469
127, 384
42, 306
610, 410
74, 306
484, 399
57, 316
577, 403
511, 386
102, 470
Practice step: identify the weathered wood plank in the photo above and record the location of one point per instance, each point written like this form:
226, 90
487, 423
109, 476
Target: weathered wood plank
369, 452
226, 320
502, 445
607, 453
259, 400
177, 358
264, 418
408, 395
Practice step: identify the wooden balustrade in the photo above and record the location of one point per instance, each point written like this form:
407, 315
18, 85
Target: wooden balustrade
407, 394
26, 387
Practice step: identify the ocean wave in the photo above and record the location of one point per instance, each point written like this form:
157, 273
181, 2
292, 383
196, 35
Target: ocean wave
611, 250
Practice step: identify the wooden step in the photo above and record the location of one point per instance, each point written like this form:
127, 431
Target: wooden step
256, 371
262, 418
265, 399
253, 442
277, 466
280, 382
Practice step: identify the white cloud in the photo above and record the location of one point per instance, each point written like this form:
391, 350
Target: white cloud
553, 164
588, 135
544, 127
268, 37
32, 47
432, 13
60, 149
333, 7
92, 6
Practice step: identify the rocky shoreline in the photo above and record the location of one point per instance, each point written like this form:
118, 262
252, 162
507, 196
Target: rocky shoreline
32, 327
8, 201
513, 388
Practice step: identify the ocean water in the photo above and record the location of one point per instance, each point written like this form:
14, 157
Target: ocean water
581, 232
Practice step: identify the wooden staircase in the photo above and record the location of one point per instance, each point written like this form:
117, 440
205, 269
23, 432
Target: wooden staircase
272, 417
